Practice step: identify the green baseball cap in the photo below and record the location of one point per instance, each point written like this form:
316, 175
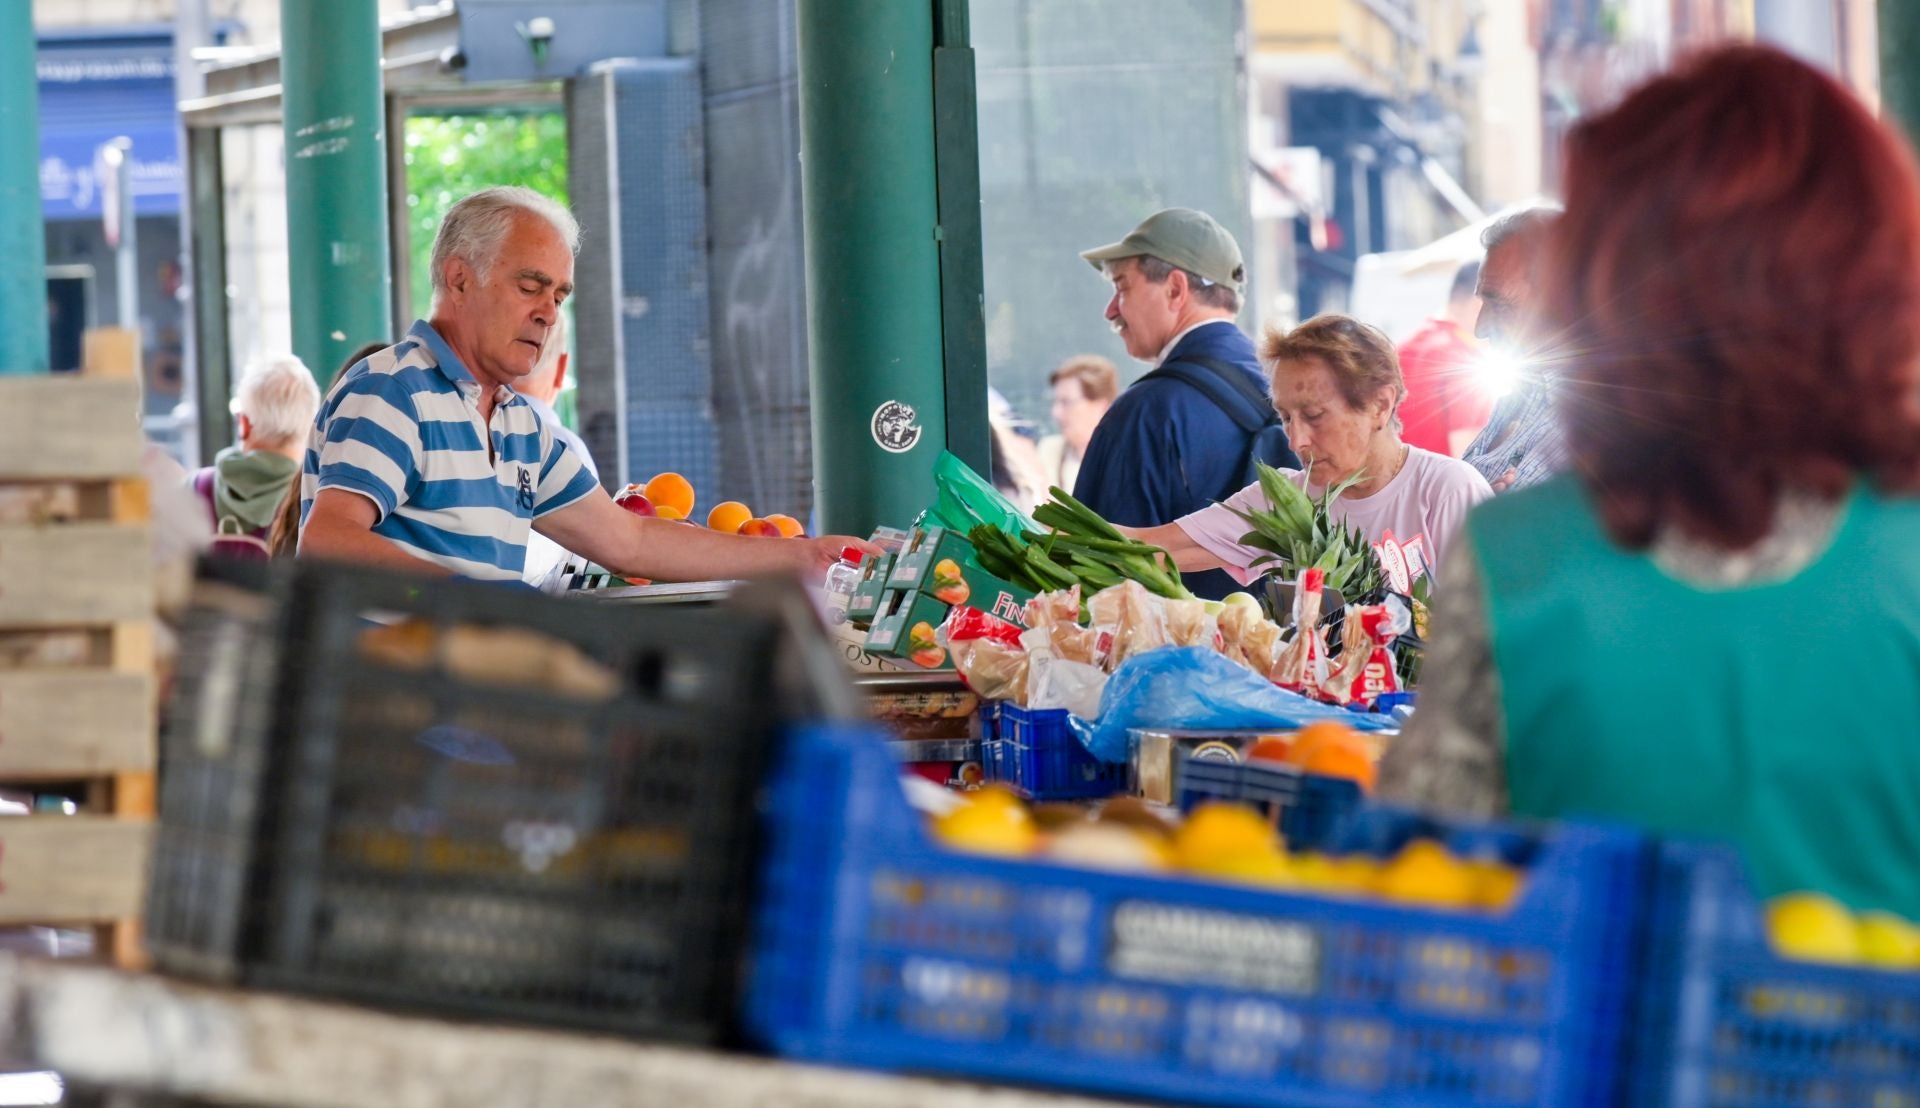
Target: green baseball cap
1186, 238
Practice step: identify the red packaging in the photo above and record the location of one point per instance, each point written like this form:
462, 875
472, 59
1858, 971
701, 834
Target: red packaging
971, 623
1366, 668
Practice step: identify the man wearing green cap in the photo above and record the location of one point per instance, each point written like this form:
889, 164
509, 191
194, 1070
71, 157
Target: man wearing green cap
1185, 435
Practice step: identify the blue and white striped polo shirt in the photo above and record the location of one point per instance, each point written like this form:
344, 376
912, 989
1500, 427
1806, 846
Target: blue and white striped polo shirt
402, 428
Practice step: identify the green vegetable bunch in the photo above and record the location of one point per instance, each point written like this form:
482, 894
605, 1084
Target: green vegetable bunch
1079, 549
1298, 533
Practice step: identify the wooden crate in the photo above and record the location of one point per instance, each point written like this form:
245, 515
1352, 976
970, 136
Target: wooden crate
69, 427
77, 686
72, 869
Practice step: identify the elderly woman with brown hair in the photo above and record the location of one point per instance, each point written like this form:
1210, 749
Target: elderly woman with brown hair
1336, 384
1714, 628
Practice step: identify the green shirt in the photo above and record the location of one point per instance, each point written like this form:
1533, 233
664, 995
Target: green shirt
1782, 716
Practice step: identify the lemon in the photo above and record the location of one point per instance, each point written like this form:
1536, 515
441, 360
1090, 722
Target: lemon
1216, 831
1424, 872
1269, 869
1889, 942
1812, 927
1496, 885
991, 821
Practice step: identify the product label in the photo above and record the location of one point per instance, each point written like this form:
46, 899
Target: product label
1188, 946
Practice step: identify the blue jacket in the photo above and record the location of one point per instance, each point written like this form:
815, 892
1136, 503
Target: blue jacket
1165, 450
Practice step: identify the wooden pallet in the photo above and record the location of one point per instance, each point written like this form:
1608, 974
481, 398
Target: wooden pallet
77, 686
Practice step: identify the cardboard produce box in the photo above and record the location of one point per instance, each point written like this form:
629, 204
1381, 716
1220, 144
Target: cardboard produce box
904, 628
867, 595
942, 564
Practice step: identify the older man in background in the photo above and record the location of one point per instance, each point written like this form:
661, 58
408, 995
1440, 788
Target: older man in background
1522, 444
424, 459
1182, 437
273, 410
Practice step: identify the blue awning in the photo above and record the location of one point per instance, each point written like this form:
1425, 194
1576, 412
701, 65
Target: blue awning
95, 87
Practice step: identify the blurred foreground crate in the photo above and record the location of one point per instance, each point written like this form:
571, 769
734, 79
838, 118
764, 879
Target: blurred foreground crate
77, 699
1724, 1022
878, 947
469, 799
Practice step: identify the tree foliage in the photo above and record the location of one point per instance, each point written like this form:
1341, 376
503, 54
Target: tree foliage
449, 156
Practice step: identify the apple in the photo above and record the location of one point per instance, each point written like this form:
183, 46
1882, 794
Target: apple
760, 528
635, 501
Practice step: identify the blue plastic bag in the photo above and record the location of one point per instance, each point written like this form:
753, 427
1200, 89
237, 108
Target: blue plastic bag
1193, 688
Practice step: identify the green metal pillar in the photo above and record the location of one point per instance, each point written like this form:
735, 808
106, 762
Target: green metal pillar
1900, 63
956, 153
23, 238
335, 118
878, 337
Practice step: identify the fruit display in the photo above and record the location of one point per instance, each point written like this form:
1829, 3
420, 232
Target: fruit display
1814, 927
671, 496
1324, 747
1225, 842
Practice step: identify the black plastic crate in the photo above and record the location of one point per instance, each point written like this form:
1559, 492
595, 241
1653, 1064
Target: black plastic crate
213, 767
491, 803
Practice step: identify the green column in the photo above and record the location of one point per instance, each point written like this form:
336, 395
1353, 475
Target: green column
23, 239
1900, 63
875, 344
335, 118
956, 140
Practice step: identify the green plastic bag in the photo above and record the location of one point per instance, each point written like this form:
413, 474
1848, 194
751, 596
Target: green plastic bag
966, 500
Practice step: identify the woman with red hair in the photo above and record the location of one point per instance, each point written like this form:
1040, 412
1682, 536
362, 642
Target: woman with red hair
1712, 627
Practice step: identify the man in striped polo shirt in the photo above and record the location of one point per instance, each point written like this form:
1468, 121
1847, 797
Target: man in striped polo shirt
423, 457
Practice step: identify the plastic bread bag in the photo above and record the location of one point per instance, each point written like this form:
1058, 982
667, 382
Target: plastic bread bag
986, 652
1260, 641
1055, 682
1302, 664
1190, 624
1366, 668
1052, 608
1134, 619
1189, 687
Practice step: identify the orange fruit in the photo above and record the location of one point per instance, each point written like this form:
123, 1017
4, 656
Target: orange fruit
671, 490
1312, 735
1269, 748
728, 515
789, 526
668, 511
1342, 756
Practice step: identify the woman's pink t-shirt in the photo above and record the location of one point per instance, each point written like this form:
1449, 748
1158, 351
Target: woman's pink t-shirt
1410, 521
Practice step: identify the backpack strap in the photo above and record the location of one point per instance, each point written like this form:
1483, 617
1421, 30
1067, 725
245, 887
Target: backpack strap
203, 487
1226, 385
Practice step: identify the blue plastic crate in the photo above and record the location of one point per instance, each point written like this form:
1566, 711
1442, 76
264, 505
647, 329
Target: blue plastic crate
1308, 809
1036, 753
1723, 1021
878, 948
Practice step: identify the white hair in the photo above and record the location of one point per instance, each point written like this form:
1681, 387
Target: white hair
278, 396
475, 228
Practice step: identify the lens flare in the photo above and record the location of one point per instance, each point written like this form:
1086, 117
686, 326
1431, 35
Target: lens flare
1497, 372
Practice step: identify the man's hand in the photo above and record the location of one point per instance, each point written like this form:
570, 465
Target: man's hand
670, 550
1506, 481
826, 550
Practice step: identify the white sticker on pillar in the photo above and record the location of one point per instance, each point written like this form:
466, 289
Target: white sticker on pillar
895, 427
